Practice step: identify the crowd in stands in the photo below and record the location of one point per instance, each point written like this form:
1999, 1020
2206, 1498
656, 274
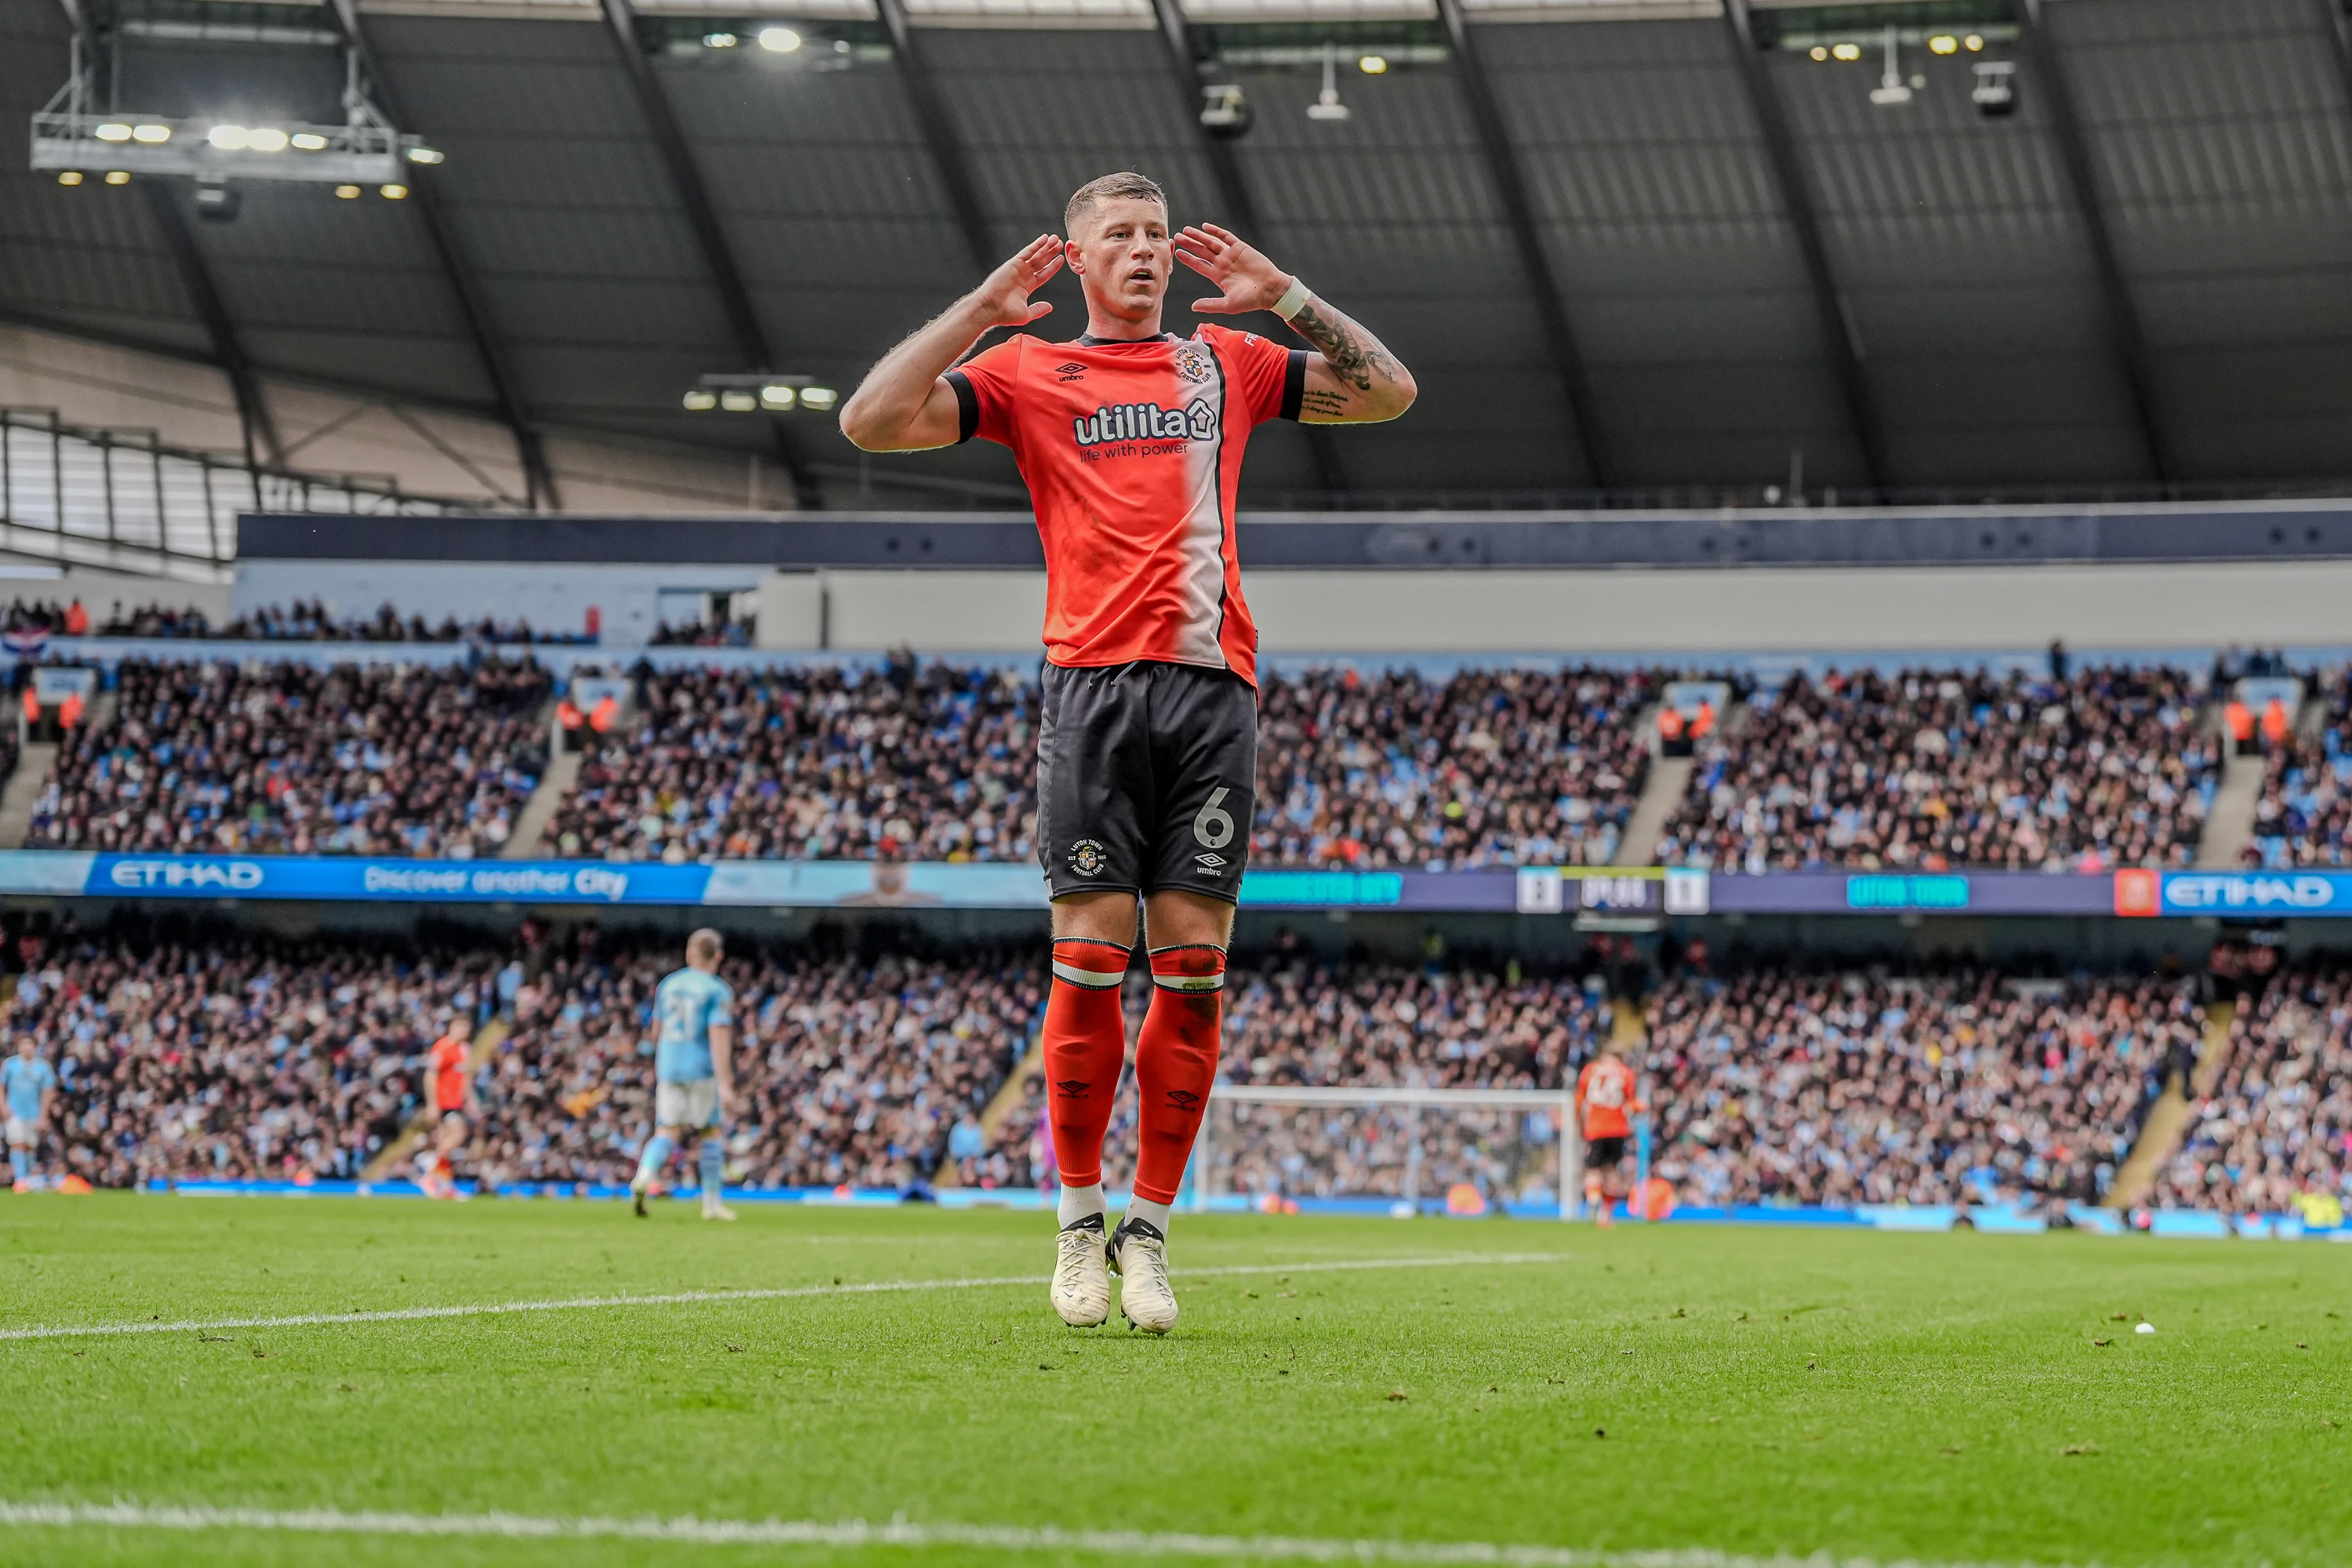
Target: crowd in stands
718, 632
2304, 816
232, 1056
903, 764
227, 1058
301, 621
1929, 769
1488, 767
2275, 1134
1788, 1086
370, 760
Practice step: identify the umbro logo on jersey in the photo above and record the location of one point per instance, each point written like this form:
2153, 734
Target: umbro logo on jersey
1070, 371
1145, 422
1072, 1088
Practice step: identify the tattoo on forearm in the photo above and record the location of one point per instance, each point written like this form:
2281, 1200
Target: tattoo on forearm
1354, 354
1316, 400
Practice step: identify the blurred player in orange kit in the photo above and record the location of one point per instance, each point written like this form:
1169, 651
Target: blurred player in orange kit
453, 1094
1605, 1102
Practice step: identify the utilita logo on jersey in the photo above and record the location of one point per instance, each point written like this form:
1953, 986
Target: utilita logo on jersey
1143, 430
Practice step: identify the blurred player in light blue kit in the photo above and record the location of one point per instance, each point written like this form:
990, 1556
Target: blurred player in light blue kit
31, 1086
695, 1011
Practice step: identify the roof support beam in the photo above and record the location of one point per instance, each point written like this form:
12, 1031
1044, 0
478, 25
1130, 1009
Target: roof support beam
473, 307
259, 430
930, 106
1797, 200
1527, 238
694, 195
2339, 33
1234, 191
2124, 334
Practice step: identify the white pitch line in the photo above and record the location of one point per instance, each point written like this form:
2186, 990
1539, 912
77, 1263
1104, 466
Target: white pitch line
693, 1298
1117, 1543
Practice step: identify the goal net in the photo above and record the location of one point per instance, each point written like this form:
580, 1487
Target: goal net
1403, 1151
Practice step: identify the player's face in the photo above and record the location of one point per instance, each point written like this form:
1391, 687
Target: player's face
1123, 256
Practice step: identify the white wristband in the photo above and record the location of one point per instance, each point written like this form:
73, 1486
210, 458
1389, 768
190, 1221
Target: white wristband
1294, 299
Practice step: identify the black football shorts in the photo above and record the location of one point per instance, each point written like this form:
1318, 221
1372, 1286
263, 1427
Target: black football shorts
1146, 778
1603, 1153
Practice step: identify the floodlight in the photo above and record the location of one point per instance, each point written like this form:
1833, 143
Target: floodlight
112, 130
1327, 104
777, 395
70, 177
394, 193
1973, 42
426, 155
819, 398
737, 402
1224, 112
349, 193
1995, 94
757, 391
1819, 52
782, 40
228, 138
1373, 65
152, 136
117, 176
308, 141
1846, 52
720, 40
267, 139
701, 402
1892, 89
1943, 43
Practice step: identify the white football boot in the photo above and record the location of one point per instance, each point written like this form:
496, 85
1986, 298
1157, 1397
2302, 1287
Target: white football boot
713, 1209
1081, 1290
1140, 1253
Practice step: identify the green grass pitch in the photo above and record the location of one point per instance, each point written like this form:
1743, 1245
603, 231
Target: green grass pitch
1942, 1398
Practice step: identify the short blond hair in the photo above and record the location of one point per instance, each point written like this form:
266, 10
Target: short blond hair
1126, 185
705, 943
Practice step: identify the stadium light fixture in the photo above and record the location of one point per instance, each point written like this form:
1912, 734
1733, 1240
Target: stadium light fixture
1995, 93
393, 193
819, 399
736, 401
701, 402
720, 40
70, 177
427, 155
349, 193
1373, 65
1818, 51
1943, 43
1327, 104
740, 393
81, 131
777, 395
217, 201
1892, 89
1224, 111
780, 40
1846, 52
1973, 43
117, 176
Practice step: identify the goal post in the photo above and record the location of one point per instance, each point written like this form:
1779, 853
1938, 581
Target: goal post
1396, 1150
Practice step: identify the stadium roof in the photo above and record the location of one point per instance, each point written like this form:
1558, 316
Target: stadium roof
1626, 247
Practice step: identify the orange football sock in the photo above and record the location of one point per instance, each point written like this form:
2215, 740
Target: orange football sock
1175, 1063
1085, 1045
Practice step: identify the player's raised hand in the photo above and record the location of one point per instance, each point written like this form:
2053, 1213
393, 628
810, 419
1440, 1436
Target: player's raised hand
1005, 293
1249, 282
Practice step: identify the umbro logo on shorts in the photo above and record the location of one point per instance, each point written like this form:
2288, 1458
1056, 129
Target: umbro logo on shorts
1072, 1088
1211, 863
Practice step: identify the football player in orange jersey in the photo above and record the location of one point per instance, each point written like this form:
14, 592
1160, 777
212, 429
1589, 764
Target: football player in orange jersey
1606, 1100
1130, 442
452, 1095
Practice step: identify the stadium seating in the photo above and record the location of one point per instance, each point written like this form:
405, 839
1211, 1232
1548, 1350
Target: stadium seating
1937, 768
2304, 816
937, 764
232, 1060
1791, 1087
2273, 1135
375, 758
